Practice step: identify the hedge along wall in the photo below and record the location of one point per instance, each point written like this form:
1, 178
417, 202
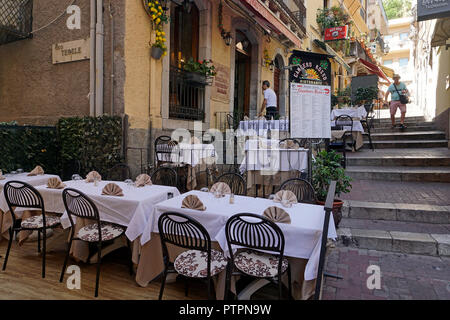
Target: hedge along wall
95, 142
28, 146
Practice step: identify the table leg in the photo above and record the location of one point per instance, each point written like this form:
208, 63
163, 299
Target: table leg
249, 290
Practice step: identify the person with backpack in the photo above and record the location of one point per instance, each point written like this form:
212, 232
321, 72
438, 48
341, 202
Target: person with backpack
399, 99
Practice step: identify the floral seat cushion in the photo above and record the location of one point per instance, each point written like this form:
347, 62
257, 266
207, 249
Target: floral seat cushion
36, 222
109, 231
193, 263
258, 264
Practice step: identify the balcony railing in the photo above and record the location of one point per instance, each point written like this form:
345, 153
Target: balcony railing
186, 96
15, 20
299, 17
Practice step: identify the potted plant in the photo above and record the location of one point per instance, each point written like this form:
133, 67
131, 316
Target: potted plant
199, 71
326, 168
366, 95
157, 52
331, 17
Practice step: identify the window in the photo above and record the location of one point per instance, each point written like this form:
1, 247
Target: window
387, 62
326, 3
403, 62
387, 38
404, 36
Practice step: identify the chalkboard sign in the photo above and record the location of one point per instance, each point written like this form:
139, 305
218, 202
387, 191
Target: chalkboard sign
366, 81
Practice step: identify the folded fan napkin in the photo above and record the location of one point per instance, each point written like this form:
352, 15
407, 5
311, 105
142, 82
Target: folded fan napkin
246, 118
92, 175
277, 214
289, 144
193, 202
112, 189
143, 180
222, 187
172, 143
285, 195
55, 183
195, 140
36, 171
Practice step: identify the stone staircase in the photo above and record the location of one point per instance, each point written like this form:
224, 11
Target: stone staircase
402, 159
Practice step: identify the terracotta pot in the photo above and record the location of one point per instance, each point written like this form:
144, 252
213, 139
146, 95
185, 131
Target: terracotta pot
337, 210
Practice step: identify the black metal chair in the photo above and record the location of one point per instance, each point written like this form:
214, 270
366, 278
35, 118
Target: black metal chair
256, 233
340, 145
79, 205
345, 121
302, 189
199, 261
22, 195
165, 176
235, 181
165, 148
367, 123
119, 172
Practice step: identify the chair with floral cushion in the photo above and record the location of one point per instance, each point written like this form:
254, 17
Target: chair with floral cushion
199, 261
80, 206
253, 233
22, 195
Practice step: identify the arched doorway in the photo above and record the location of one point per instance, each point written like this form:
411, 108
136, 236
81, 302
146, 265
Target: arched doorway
243, 57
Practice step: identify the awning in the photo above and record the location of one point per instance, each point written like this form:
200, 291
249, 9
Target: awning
441, 33
270, 19
374, 69
322, 45
388, 71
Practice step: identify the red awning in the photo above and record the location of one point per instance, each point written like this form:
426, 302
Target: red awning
268, 18
374, 69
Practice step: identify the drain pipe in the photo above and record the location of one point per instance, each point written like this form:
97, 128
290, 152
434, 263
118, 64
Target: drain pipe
92, 62
99, 35
111, 15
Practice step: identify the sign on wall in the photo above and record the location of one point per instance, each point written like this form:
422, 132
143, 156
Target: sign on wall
71, 51
336, 33
310, 95
432, 9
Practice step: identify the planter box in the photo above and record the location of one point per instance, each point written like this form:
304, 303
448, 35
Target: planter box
196, 78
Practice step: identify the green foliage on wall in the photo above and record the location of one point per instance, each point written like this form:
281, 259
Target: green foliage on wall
27, 146
95, 142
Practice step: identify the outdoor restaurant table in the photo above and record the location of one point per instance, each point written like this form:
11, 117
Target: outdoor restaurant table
302, 236
260, 127
5, 220
197, 156
357, 130
269, 165
131, 210
357, 112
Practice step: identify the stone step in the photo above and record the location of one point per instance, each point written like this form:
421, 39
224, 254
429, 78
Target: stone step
396, 241
377, 129
433, 174
396, 136
391, 144
407, 119
408, 161
409, 124
406, 212
389, 225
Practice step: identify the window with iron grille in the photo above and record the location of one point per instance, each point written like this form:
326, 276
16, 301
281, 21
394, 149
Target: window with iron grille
15, 20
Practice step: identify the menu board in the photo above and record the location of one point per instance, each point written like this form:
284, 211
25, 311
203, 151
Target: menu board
310, 106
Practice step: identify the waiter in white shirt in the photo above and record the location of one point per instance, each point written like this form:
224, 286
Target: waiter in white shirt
270, 102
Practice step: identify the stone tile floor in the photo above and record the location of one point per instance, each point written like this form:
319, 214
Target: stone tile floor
403, 276
434, 193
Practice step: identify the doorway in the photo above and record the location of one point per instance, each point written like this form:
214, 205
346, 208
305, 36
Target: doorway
242, 75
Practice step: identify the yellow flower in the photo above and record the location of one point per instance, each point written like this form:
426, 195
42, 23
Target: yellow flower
159, 13
153, 16
158, 20
163, 33
156, 2
159, 7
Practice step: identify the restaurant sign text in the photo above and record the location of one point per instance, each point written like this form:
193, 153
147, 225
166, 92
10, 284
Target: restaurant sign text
71, 51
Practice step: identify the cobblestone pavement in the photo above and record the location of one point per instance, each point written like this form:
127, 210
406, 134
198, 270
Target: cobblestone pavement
403, 276
434, 193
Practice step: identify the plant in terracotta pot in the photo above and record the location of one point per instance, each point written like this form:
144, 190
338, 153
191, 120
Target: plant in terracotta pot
326, 168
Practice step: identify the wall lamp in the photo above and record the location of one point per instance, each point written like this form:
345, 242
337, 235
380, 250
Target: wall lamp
227, 37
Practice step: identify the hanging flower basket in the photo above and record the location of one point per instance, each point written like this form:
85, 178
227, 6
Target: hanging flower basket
157, 52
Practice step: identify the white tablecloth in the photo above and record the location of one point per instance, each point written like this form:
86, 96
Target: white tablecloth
359, 112
260, 127
131, 210
187, 153
357, 126
23, 177
265, 155
302, 236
